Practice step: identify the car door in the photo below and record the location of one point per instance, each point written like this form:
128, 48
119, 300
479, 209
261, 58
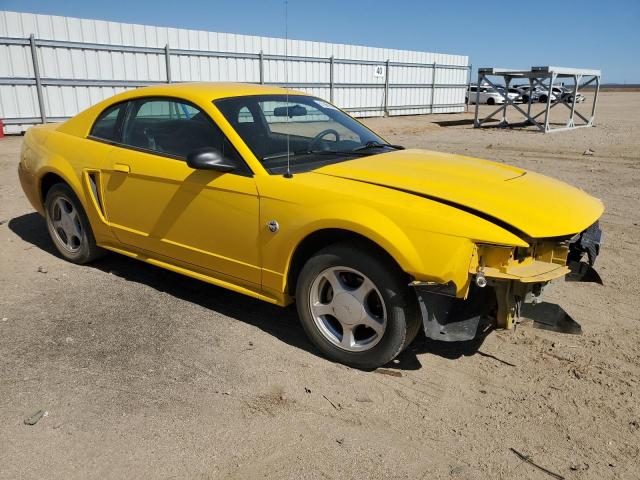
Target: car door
156, 204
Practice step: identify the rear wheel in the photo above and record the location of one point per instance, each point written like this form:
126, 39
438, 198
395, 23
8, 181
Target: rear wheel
69, 226
356, 308
491, 101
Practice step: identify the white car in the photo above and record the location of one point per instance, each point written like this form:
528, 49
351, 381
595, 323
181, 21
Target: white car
487, 95
539, 94
514, 94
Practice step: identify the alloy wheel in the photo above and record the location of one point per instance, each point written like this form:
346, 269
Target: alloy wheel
348, 309
66, 224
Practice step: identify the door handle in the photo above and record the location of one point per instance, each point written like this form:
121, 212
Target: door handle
121, 167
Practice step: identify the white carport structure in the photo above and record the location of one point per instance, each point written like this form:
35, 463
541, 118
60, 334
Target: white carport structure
537, 77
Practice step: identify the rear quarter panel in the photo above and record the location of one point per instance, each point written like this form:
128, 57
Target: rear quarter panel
48, 150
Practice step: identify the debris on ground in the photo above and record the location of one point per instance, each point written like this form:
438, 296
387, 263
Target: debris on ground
527, 458
363, 399
35, 418
337, 407
42, 269
579, 466
340, 441
307, 390
589, 152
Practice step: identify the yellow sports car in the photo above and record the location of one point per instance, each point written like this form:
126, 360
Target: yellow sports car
284, 197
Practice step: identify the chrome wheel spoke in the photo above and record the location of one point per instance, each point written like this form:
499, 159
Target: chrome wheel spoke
373, 323
347, 339
363, 291
333, 277
75, 224
322, 308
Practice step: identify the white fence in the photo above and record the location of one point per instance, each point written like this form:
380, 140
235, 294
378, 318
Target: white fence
53, 67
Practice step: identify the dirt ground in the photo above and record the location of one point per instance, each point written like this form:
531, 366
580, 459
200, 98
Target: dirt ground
147, 374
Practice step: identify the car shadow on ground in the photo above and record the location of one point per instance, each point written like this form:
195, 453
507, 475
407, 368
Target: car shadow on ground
459, 123
280, 322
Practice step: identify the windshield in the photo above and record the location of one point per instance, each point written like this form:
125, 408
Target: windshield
315, 131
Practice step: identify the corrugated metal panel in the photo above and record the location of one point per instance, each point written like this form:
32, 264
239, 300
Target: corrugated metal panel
357, 86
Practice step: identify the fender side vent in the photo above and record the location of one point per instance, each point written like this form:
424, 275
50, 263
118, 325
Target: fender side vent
93, 182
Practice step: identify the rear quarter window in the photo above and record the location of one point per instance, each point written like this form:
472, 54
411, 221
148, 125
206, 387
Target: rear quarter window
106, 125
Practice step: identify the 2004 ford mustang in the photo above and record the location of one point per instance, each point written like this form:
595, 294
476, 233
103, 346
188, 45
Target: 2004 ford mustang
283, 197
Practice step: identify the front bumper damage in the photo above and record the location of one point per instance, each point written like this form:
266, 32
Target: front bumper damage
506, 286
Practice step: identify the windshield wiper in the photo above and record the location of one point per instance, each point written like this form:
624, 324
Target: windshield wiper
372, 144
312, 152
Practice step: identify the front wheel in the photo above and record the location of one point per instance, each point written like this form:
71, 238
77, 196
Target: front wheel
356, 307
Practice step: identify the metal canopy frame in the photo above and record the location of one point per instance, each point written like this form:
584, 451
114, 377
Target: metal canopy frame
537, 77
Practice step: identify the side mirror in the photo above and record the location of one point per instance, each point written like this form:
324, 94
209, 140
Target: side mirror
209, 158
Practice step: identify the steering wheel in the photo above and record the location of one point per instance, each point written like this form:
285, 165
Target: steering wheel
321, 135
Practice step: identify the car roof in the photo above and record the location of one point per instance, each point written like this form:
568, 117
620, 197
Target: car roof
204, 91
196, 92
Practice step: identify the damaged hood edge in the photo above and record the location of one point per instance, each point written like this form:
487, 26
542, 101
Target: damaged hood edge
524, 203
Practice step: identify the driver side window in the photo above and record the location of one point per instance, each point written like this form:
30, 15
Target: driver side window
171, 128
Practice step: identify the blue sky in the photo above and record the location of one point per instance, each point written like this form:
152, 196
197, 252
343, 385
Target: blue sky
588, 33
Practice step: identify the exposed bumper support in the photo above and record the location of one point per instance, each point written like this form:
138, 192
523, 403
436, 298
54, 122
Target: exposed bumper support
451, 319
549, 316
507, 289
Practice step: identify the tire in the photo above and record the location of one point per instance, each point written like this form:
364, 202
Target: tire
69, 227
491, 101
543, 99
385, 303
525, 99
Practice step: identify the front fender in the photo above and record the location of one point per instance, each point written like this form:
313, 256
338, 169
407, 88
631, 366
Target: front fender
429, 241
424, 255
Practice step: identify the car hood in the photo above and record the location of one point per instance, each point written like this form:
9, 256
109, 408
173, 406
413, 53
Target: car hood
533, 204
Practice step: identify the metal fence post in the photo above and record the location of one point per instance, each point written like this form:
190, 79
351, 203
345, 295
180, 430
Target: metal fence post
331, 80
36, 73
386, 89
468, 88
261, 67
167, 61
433, 85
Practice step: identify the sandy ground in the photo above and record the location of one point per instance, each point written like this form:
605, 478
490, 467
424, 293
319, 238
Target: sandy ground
147, 374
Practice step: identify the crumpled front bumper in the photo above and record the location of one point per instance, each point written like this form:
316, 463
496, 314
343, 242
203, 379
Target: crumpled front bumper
507, 285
